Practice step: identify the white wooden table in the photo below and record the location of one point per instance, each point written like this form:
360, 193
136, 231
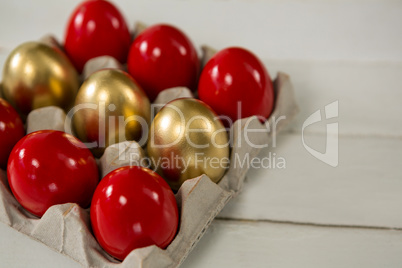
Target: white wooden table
308, 214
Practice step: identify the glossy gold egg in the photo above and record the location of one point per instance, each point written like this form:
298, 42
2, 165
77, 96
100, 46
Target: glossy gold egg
110, 108
186, 140
36, 75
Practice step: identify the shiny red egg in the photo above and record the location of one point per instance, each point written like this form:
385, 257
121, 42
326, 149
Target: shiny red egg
96, 28
50, 167
162, 57
133, 207
11, 131
236, 84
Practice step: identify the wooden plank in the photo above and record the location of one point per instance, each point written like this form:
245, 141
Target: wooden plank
364, 190
247, 244
368, 93
314, 29
258, 244
18, 250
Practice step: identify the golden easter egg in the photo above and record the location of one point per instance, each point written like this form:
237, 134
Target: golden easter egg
110, 108
186, 140
36, 75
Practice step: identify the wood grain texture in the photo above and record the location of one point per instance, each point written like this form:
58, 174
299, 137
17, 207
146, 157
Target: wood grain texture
18, 250
365, 189
258, 244
369, 94
247, 244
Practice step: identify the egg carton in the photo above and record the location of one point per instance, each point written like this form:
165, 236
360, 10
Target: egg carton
66, 228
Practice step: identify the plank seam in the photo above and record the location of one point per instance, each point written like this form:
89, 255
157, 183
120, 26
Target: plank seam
311, 224
395, 136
